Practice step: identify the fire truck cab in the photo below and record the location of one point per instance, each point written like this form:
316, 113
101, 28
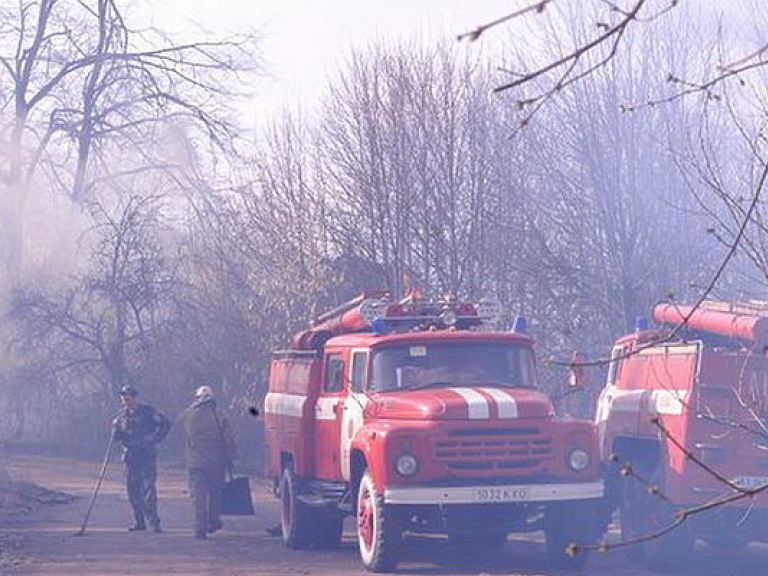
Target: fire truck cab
682, 423
414, 418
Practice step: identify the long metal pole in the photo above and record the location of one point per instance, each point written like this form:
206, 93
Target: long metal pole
102, 472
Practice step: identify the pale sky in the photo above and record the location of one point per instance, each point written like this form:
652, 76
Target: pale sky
305, 40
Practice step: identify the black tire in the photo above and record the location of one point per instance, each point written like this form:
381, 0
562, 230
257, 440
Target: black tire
674, 548
630, 521
644, 514
379, 532
328, 529
295, 516
567, 527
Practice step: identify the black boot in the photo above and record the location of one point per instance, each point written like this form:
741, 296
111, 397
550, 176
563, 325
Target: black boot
136, 526
138, 523
155, 523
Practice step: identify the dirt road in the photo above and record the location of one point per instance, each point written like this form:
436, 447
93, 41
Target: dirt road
48, 544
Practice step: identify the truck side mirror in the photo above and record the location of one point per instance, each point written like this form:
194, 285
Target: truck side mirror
577, 371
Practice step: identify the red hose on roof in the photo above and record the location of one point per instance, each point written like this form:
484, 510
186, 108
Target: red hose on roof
729, 324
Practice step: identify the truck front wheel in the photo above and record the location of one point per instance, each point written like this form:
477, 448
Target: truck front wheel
566, 526
644, 514
295, 515
379, 533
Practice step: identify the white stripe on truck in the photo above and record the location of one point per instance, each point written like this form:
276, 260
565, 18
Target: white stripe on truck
325, 409
478, 407
284, 404
505, 402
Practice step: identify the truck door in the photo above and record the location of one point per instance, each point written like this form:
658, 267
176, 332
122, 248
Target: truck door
328, 410
354, 405
289, 412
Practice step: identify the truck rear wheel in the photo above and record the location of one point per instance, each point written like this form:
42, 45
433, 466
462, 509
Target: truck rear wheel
328, 528
295, 515
379, 533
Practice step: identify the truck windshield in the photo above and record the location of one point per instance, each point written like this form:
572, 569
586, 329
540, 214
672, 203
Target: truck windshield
452, 364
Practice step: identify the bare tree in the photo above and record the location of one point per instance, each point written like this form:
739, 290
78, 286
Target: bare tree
98, 333
80, 82
405, 137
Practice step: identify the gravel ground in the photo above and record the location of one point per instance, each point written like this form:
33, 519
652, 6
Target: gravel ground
42, 541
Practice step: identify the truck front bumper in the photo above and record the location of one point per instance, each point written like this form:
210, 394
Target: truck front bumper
502, 494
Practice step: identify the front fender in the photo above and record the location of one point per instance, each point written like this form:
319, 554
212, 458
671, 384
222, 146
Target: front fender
372, 447
626, 413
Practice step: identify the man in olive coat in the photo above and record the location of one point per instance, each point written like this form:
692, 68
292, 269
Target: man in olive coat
211, 449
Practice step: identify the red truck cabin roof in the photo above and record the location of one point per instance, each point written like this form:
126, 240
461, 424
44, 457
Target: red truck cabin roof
642, 338
370, 340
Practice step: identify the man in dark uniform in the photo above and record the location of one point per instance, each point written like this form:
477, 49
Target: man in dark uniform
140, 428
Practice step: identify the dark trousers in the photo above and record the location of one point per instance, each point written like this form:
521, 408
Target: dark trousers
142, 490
205, 488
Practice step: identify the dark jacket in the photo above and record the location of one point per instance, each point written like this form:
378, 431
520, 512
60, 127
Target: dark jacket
140, 430
210, 439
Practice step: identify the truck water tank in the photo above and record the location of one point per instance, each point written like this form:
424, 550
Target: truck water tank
728, 324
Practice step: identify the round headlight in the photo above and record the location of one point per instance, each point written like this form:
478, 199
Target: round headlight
406, 465
449, 318
578, 460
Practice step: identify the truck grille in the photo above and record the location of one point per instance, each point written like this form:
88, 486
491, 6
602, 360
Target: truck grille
491, 452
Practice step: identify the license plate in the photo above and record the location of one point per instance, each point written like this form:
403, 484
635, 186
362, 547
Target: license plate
501, 494
750, 482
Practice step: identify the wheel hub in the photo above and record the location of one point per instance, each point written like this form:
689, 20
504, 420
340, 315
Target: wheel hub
365, 519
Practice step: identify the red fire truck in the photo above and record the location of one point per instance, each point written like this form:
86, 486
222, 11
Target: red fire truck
685, 408
414, 417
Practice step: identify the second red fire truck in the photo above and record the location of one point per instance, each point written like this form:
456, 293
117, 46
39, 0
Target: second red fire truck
414, 417
683, 421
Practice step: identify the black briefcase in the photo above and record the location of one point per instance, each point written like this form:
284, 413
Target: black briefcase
236, 497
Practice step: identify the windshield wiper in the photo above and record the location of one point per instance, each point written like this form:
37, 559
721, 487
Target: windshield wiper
435, 384
444, 384
504, 385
